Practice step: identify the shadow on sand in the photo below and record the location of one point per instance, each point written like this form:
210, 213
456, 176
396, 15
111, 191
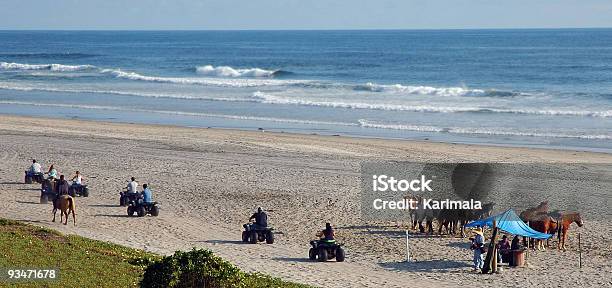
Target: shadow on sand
28, 189
103, 205
236, 242
433, 266
114, 215
10, 183
27, 202
292, 259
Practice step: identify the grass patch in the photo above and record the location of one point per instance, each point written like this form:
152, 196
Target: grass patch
84, 262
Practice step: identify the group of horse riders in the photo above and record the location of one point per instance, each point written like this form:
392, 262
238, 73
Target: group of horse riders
62, 186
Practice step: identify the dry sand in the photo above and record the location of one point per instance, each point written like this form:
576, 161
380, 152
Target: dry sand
209, 181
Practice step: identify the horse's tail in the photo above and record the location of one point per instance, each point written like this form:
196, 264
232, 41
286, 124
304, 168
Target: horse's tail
559, 228
72, 208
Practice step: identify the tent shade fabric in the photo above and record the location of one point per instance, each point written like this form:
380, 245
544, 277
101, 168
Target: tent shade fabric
510, 223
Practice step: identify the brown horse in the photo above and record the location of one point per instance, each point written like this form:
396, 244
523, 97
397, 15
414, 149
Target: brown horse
565, 221
66, 205
533, 213
419, 215
546, 224
450, 219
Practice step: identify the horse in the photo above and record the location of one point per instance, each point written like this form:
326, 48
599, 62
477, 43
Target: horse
546, 224
532, 213
565, 221
451, 218
66, 205
421, 214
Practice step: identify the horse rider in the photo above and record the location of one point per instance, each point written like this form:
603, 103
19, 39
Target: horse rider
62, 187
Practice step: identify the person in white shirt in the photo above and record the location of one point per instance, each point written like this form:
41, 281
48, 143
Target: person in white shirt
132, 186
77, 180
35, 168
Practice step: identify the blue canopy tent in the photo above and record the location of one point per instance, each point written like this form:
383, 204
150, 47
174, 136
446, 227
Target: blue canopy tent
511, 223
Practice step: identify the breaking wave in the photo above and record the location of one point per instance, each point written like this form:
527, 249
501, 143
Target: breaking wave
227, 71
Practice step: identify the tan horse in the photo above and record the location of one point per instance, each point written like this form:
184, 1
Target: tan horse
66, 205
564, 223
546, 224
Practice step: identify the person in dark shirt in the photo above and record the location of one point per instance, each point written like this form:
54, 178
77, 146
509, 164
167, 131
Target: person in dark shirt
63, 186
261, 218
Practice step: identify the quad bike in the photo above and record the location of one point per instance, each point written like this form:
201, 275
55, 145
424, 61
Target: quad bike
125, 197
254, 233
323, 250
142, 208
48, 190
31, 177
78, 190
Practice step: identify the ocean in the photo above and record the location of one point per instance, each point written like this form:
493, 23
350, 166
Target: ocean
535, 88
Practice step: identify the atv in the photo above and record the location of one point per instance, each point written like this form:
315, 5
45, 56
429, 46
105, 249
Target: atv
254, 233
323, 250
78, 190
31, 177
142, 208
125, 197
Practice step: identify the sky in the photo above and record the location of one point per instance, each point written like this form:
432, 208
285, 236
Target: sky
301, 14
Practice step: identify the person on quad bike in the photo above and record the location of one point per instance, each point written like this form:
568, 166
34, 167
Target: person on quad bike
52, 172
147, 195
35, 168
62, 187
327, 234
132, 186
261, 218
77, 180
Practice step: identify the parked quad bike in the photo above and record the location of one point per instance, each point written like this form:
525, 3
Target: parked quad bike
323, 250
31, 177
254, 233
141, 208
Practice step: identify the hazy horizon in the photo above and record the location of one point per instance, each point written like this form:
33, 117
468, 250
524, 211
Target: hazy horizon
300, 15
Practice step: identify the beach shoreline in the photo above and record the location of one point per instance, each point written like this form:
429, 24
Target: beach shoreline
209, 181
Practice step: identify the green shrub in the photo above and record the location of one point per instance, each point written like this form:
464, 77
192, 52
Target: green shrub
196, 268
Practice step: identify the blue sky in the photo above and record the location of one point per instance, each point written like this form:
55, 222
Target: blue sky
303, 14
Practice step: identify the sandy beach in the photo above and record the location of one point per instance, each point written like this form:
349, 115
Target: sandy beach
209, 181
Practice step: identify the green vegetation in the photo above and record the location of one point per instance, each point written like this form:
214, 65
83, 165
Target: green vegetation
84, 262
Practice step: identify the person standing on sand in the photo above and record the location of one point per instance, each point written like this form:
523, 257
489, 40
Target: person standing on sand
478, 248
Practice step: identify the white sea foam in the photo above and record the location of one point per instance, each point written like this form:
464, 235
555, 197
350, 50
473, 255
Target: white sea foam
422, 90
52, 67
201, 81
227, 71
482, 131
277, 99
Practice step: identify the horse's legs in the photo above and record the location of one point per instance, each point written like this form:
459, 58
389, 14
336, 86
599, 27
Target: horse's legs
73, 216
54, 212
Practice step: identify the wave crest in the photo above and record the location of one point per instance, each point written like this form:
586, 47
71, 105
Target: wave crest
51, 67
227, 71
